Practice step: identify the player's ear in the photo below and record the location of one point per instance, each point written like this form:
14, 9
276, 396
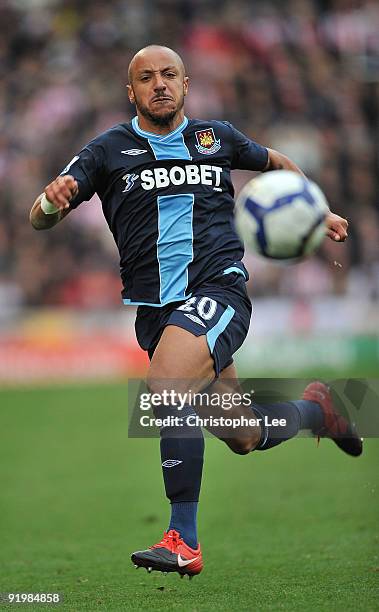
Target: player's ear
185, 85
130, 94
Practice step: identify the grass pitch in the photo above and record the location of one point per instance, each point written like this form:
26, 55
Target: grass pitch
295, 528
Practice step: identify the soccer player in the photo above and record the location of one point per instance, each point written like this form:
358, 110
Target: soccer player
165, 187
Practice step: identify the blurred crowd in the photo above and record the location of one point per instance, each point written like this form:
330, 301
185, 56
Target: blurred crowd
301, 76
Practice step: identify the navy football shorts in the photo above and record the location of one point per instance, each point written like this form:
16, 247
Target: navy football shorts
219, 309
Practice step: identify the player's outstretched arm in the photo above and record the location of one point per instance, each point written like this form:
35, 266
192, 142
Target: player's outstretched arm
278, 161
54, 203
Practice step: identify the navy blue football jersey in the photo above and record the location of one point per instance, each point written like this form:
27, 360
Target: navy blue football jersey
168, 201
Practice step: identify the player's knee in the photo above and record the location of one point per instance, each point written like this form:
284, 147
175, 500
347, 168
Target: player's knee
243, 445
240, 446
158, 381
155, 384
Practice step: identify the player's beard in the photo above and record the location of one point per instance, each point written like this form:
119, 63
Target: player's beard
160, 119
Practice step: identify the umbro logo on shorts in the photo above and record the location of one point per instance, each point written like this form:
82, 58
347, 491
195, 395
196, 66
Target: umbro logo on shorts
134, 151
169, 463
194, 318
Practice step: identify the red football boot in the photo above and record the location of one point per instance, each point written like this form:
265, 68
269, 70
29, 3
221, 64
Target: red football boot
336, 427
171, 554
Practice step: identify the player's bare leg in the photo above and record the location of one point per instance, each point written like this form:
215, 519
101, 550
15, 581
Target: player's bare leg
184, 360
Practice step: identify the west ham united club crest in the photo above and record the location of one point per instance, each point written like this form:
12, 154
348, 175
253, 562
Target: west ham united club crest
206, 142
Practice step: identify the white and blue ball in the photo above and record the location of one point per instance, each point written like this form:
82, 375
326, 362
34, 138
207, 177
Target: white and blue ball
281, 215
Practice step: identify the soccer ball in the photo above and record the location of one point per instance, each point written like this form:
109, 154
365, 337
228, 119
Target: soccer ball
281, 215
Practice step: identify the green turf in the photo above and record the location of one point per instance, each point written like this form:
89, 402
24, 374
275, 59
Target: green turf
292, 529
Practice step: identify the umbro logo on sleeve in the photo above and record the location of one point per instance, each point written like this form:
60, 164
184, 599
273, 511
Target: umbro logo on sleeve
134, 151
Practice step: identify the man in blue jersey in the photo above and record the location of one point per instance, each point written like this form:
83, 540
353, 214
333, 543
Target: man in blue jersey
165, 186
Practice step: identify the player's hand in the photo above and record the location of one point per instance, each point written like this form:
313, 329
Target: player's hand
61, 191
336, 227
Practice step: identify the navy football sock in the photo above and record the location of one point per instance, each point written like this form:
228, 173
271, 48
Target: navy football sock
183, 519
182, 453
274, 435
311, 415
300, 414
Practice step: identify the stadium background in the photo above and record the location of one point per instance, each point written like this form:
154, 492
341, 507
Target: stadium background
300, 76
